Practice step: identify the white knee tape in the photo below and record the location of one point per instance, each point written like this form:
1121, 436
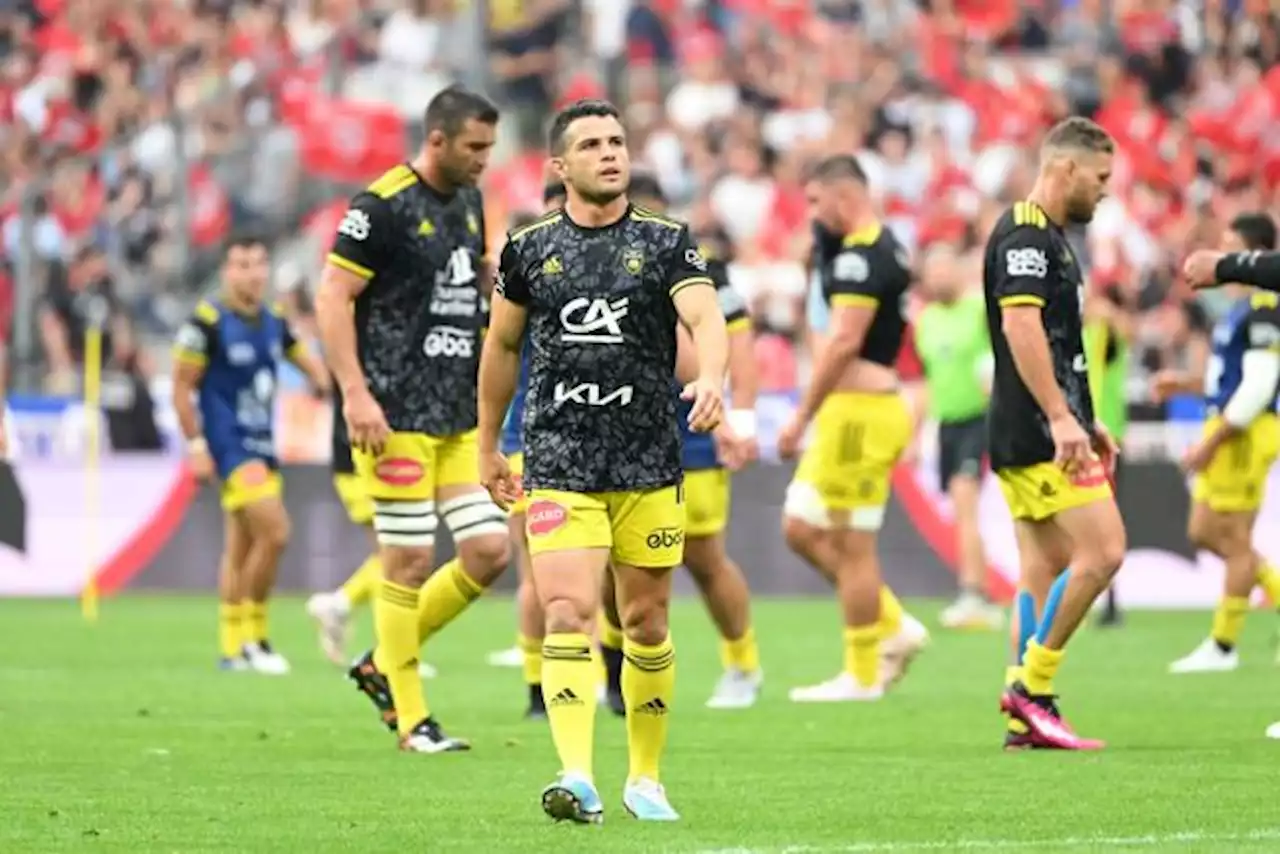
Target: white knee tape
866, 518
804, 504
473, 515
411, 524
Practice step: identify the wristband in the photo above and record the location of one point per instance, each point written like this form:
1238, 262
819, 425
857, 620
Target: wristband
198, 445
743, 423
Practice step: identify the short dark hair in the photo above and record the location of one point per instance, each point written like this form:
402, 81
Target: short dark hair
586, 108
554, 191
838, 167
1257, 230
454, 105
1079, 133
246, 240
644, 185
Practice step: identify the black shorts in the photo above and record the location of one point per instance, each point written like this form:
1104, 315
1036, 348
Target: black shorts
961, 448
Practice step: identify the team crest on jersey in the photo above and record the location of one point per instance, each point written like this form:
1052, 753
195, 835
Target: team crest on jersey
553, 266
473, 224
632, 261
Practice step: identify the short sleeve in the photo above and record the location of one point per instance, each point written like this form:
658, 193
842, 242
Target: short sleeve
1264, 324
732, 305
856, 280
197, 339
688, 265
364, 237
511, 282
1022, 268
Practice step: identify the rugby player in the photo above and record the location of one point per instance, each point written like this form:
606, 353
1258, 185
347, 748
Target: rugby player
1240, 443
331, 610
835, 504
409, 254
600, 287
951, 332
1051, 455
708, 459
226, 356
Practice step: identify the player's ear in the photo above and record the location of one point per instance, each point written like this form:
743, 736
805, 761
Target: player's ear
435, 139
560, 169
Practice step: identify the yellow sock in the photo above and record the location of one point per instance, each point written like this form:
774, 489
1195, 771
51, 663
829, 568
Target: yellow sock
1012, 674
862, 654
610, 635
1039, 666
648, 687
1269, 581
395, 620
742, 654
890, 612
230, 636
362, 584
254, 621
532, 650
569, 689
446, 594
1228, 620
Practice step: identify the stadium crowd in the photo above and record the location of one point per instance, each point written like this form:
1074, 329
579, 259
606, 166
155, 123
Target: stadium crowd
137, 133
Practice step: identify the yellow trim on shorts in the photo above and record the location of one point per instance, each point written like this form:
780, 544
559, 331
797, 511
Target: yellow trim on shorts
350, 266
742, 324
1021, 299
854, 301
190, 357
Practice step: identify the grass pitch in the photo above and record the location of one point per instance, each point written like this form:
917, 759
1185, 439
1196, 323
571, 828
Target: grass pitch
124, 737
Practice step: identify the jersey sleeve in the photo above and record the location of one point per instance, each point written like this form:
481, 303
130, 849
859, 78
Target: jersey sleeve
364, 237
732, 305
688, 266
197, 338
857, 279
1255, 267
1021, 276
1264, 324
511, 281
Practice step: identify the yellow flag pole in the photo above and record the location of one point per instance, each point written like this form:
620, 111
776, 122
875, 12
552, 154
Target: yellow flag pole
93, 464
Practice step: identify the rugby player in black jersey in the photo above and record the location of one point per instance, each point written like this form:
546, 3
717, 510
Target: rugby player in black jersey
409, 256
599, 288
1050, 453
863, 423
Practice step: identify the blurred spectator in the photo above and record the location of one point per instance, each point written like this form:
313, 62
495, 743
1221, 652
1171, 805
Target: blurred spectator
78, 294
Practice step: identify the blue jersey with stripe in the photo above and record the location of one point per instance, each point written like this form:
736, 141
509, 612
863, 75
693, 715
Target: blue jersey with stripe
512, 439
237, 390
1250, 324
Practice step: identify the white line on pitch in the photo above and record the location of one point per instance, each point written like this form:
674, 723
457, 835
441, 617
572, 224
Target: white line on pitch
1191, 837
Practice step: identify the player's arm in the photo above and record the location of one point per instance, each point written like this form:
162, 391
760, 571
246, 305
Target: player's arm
1021, 291
357, 255
1260, 269
693, 293
298, 355
744, 376
1259, 373
500, 354
194, 345
856, 290
686, 356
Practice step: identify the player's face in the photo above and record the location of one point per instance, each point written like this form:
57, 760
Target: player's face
828, 203
595, 162
940, 275
246, 271
464, 157
1231, 241
1090, 172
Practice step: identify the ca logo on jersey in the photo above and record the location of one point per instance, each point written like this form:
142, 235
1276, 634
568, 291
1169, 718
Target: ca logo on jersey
596, 321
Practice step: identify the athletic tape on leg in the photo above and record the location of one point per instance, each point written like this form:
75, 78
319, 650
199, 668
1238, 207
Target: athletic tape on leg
1051, 603
411, 524
1026, 621
473, 515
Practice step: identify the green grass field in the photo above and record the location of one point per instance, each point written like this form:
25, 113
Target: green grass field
123, 737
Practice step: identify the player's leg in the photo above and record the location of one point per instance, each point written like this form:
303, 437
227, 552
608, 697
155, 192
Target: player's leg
332, 610
231, 593
1083, 509
258, 500
649, 539
609, 630
479, 531
531, 621
961, 451
1229, 537
723, 587
569, 541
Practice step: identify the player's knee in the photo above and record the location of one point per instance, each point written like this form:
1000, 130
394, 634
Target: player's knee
279, 531
800, 535
704, 557
568, 615
1104, 555
804, 515
644, 618
1234, 539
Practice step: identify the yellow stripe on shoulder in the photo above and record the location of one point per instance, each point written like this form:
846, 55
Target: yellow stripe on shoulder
865, 236
1264, 299
206, 312
545, 220
1021, 299
395, 180
1029, 214
640, 214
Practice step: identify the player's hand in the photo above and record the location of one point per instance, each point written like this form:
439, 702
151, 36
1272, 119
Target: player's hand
321, 387
496, 476
1072, 447
1197, 458
708, 404
731, 451
1105, 446
366, 423
790, 436
1165, 384
199, 461
1200, 268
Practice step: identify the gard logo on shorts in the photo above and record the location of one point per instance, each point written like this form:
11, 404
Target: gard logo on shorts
399, 471
1089, 476
665, 538
545, 517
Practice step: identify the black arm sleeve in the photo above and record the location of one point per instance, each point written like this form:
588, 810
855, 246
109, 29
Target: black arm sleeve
1261, 269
